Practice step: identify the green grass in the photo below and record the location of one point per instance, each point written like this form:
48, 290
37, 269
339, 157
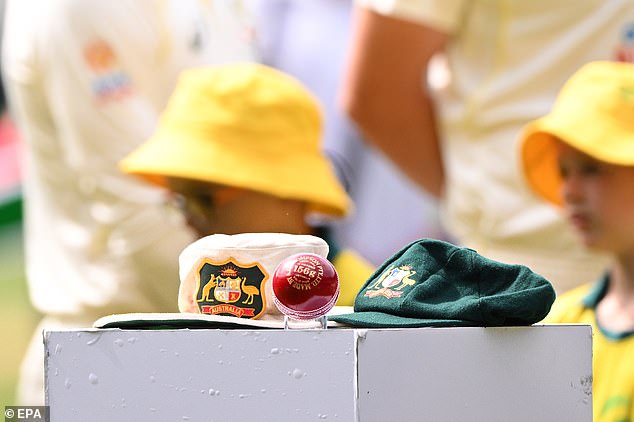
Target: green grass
17, 317
10, 207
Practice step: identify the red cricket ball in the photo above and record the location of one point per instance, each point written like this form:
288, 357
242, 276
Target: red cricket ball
305, 286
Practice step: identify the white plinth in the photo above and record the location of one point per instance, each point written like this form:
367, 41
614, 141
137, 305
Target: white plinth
540, 373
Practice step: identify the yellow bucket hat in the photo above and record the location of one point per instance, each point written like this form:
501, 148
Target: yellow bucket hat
593, 113
244, 125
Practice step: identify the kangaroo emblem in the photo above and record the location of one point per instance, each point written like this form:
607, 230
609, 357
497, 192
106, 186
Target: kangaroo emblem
210, 285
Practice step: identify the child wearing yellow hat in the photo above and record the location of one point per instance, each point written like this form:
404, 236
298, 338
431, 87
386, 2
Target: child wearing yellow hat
241, 146
580, 157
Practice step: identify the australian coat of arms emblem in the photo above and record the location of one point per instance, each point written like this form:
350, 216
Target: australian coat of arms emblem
231, 288
391, 282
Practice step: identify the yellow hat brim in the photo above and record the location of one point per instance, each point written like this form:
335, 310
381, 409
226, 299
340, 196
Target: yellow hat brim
307, 177
539, 162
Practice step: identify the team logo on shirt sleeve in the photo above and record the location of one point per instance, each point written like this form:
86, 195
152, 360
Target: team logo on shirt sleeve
108, 81
625, 49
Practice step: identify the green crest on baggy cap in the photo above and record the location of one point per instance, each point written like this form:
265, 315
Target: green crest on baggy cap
434, 283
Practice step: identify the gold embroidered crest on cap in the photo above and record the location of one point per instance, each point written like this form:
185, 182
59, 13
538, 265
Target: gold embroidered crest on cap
231, 288
391, 282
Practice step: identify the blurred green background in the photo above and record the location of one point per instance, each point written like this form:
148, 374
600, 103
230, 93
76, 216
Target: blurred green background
17, 317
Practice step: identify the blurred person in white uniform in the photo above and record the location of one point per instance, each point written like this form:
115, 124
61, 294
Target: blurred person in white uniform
86, 80
307, 39
506, 60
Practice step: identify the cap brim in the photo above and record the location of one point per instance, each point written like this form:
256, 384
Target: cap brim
383, 320
168, 321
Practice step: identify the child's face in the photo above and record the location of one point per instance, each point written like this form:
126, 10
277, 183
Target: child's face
211, 209
598, 200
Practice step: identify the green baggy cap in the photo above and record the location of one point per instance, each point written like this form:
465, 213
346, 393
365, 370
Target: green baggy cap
434, 283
